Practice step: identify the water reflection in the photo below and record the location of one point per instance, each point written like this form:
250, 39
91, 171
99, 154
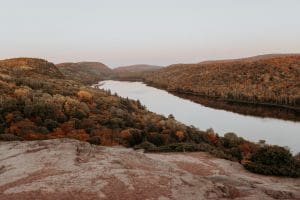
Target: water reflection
274, 131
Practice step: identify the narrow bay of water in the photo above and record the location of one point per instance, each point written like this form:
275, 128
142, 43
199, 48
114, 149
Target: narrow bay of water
274, 131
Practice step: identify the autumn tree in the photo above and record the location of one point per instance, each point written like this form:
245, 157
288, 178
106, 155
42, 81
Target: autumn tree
84, 95
180, 135
22, 92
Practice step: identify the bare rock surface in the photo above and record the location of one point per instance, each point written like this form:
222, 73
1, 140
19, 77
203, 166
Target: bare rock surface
70, 169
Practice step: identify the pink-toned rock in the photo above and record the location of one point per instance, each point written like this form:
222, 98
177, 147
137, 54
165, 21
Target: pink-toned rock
69, 169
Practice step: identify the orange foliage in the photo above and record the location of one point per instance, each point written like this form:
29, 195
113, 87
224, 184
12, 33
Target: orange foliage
84, 95
21, 127
34, 136
125, 134
21, 92
13, 129
57, 133
9, 117
244, 161
245, 148
106, 137
78, 134
212, 138
66, 127
180, 135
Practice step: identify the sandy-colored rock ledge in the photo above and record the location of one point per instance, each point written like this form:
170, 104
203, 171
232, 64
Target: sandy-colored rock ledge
69, 169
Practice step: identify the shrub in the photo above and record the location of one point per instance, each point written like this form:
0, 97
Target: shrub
179, 147
236, 153
196, 136
78, 134
147, 146
212, 137
94, 140
9, 117
273, 160
156, 138
127, 104
180, 135
245, 148
39, 108
50, 124
151, 127
272, 155
84, 95
220, 154
9, 137
42, 130
87, 124
21, 92
135, 137
290, 170
2, 120
76, 123
7, 104
17, 116
297, 157
231, 140
115, 123
2, 128
79, 114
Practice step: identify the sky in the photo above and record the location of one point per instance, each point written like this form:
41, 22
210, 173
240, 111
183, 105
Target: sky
159, 32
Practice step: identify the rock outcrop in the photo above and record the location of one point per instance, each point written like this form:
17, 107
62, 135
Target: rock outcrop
70, 169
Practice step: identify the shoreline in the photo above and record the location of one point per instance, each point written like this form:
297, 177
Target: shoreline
258, 109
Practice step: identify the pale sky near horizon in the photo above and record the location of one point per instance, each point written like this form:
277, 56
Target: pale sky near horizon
160, 32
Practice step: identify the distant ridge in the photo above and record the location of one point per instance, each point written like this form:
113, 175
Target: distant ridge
251, 58
137, 68
86, 72
134, 72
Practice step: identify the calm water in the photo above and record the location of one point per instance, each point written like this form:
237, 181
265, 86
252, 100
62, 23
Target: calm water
280, 132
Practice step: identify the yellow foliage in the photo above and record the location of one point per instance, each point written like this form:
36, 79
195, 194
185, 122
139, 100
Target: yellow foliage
125, 133
85, 95
212, 137
79, 134
21, 92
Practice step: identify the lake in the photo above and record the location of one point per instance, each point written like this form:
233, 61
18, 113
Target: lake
273, 131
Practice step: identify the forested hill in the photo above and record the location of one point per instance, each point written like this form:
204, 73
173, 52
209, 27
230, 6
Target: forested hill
85, 72
248, 59
23, 67
270, 79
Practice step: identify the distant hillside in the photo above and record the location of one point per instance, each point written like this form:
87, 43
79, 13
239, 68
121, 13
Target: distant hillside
269, 79
249, 59
137, 68
85, 72
133, 72
29, 67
